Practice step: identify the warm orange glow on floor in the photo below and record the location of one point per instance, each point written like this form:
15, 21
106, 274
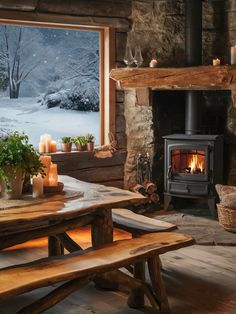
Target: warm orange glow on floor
81, 235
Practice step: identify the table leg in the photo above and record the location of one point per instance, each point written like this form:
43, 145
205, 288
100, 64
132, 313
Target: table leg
102, 228
102, 232
54, 247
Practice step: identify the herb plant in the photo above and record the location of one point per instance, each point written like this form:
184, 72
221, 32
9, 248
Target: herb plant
90, 138
66, 139
16, 152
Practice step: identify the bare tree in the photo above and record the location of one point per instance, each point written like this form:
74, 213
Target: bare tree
19, 55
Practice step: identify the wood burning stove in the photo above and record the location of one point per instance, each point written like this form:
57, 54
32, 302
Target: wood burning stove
193, 162
193, 165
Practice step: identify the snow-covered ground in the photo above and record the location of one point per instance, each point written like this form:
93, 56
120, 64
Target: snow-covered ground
25, 114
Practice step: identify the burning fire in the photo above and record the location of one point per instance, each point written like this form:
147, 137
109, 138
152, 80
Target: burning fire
195, 165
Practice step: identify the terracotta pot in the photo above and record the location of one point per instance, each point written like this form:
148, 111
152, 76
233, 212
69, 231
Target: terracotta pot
16, 179
80, 147
66, 147
90, 146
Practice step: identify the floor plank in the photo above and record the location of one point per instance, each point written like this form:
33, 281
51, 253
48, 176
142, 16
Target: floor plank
199, 280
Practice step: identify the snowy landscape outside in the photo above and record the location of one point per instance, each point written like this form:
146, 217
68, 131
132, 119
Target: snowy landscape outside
49, 82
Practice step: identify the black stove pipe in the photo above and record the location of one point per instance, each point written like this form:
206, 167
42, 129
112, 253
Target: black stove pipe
193, 48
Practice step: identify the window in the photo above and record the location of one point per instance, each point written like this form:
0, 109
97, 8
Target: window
52, 80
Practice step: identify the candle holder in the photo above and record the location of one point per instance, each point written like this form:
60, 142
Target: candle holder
216, 62
138, 58
128, 57
153, 63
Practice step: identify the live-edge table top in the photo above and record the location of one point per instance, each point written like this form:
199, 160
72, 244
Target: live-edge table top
95, 196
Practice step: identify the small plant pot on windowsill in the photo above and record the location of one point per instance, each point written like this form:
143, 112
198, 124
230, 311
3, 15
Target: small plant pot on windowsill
80, 147
66, 147
90, 146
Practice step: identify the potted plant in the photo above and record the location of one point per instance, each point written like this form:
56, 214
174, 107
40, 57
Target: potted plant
18, 159
66, 143
90, 142
80, 142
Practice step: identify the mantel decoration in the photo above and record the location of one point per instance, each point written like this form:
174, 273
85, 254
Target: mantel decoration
18, 159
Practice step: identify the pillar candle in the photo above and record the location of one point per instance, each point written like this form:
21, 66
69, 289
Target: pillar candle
37, 186
216, 62
53, 176
47, 145
233, 55
41, 147
53, 146
46, 160
46, 139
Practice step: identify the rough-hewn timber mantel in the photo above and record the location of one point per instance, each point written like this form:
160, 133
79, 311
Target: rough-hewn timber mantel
185, 78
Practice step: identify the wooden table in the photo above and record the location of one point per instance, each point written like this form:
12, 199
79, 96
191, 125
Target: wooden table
53, 219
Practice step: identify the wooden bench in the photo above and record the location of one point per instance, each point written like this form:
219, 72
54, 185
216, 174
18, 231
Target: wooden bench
81, 267
138, 224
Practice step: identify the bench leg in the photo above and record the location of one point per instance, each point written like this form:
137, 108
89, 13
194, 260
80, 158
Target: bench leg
55, 296
126, 282
154, 268
136, 298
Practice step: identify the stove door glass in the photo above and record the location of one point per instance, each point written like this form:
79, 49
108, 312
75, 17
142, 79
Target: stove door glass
188, 161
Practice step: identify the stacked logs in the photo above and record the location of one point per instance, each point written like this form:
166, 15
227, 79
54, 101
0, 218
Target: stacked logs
144, 184
147, 189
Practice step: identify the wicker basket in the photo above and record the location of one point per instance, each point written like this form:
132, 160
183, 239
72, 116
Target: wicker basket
227, 217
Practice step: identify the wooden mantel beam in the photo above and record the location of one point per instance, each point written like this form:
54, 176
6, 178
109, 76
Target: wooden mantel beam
185, 78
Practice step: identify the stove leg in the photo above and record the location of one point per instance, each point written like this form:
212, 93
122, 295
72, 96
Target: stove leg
167, 200
212, 206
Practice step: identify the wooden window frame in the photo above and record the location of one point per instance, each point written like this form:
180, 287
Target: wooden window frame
106, 62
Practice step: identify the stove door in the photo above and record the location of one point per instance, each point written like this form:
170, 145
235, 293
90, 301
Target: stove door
188, 162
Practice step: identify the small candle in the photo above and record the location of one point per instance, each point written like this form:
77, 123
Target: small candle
233, 55
46, 160
153, 63
37, 186
53, 176
216, 61
41, 147
53, 146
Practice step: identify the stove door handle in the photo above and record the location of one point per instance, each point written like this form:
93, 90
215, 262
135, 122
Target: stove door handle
169, 173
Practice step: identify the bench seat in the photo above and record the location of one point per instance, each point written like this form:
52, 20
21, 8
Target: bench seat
138, 224
22, 278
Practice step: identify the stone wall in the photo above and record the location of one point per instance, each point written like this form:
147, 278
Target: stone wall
158, 27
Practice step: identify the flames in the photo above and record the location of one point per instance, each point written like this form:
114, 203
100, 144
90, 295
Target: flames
196, 164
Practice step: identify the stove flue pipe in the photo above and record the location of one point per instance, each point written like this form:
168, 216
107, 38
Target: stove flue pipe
193, 50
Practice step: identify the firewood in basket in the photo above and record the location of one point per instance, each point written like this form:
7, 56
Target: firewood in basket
150, 187
138, 188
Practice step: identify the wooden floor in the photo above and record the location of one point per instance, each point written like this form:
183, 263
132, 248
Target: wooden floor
199, 280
